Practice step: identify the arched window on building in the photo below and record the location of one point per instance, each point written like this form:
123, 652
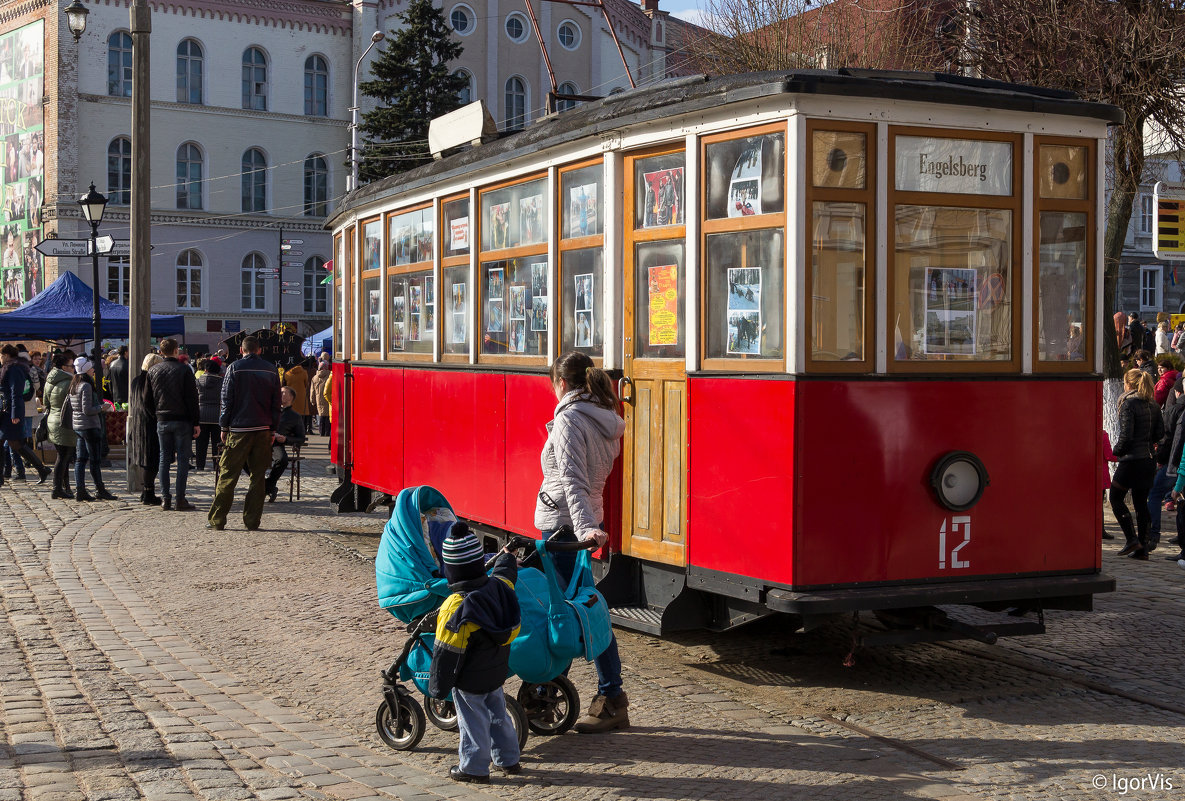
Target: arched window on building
254, 180
119, 171
189, 280
465, 95
253, 284
190, 61
118, 282
316, 186
189, 176
254, 79
316, 86
516, 103
567, 88
119, 64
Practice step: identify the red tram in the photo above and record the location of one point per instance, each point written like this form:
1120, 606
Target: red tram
852, 315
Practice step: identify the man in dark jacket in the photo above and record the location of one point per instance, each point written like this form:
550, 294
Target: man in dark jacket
174, 397
289, 433
119, 376
250, 414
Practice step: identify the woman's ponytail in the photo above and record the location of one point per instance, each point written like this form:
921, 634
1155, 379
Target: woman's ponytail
578, 372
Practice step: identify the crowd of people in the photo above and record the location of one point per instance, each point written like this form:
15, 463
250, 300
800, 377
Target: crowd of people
179, 401
1150, 435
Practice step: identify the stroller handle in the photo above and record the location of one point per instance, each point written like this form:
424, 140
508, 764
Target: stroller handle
565, 546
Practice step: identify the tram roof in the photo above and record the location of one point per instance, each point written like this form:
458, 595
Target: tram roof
698, 92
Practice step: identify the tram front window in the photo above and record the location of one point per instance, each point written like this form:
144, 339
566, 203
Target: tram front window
1061, 312
838, 281
952, 287
745, 294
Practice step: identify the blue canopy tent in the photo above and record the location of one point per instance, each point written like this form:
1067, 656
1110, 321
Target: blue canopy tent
320, 341
63, 312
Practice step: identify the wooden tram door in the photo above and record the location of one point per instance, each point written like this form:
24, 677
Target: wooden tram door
654, 387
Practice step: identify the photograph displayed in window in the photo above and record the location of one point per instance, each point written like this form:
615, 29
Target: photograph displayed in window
581, 301
372, 245
1061, 287
582, 198
745, 295
838, 281
660, 330
515, 306
515, 216
746, 177
413, 312
372, 314
838, 159
455, 227
658, 183
457, 301
1063, 171
953, 284
410, 237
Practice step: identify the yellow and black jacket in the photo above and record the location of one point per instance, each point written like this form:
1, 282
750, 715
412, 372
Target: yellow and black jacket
474, 629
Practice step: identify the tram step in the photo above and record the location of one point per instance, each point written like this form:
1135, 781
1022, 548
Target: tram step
638, 618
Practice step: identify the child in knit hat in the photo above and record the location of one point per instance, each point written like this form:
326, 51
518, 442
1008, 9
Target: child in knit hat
471, 658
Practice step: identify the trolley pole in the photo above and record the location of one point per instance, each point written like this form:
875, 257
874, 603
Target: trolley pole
280, 278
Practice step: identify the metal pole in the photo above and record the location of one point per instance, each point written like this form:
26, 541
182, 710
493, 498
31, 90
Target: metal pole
280, 279
140, 279
96, 352
375, 38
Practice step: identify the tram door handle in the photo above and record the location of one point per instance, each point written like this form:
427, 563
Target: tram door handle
622, 383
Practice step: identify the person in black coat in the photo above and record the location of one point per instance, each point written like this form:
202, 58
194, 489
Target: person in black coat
289, 433
1140, 428
143, 441
119, 376
13, 377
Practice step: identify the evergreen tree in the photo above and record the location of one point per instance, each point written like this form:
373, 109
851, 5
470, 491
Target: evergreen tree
412, 84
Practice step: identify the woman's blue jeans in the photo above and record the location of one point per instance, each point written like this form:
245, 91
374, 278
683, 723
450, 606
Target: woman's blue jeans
89, 450
609, 662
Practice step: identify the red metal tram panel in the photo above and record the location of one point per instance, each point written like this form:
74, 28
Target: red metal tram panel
379, 409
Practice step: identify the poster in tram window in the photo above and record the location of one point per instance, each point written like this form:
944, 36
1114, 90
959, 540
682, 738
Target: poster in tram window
662, 288
583, 212
744, 310
415, 307
530, 220
372, 245
518, 319
744, 188
459, 233
457, 313
664, 198
582, 311
500, 226
398, 317
429, 306
494, 298
374, 309
539, 296
951, 303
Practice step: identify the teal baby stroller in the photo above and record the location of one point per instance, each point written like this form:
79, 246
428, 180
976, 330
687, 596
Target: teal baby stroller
411, 587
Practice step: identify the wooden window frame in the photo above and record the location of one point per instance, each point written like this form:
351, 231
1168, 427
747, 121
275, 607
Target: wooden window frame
447, 263
1013, 203
1085, 206
389, 271
564, 246
508, 254
736, 225
363, 275
632, 236
345, 285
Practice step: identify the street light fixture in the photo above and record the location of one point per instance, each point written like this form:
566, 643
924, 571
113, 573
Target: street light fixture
76, 18
93, 204
375, 38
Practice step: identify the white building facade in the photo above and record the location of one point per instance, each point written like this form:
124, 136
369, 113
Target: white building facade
250, 133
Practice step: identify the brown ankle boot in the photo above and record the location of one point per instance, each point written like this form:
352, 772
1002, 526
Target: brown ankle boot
605, 714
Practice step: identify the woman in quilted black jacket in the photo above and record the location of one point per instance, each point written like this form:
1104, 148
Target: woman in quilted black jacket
1140, 428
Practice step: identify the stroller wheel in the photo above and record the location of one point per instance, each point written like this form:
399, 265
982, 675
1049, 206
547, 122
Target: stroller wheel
552, 707
401, 728
441, 714
518, 717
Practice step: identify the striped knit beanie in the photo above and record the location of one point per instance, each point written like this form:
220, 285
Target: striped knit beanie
463, 556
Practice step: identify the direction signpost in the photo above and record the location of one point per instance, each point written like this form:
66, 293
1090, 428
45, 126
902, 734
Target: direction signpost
80, 248
291, 291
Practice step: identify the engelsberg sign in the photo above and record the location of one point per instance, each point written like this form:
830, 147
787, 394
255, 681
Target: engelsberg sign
954, 166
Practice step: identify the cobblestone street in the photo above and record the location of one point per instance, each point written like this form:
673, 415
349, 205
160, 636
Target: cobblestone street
142, 656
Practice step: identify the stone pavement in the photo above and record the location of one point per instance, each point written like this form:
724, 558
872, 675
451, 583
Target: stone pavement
143, 656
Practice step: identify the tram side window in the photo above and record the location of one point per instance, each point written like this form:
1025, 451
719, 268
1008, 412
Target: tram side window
660, 330
581, 301
515, 216
838, 260
372, 307
339, 262
1061, 313
582, 201
659, 183
455, 228
458, 299
412, 323
514, 314
372, 245
410, 237
953, 284
746, 177
745, 294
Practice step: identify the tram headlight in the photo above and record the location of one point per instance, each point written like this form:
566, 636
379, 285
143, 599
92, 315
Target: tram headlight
959, 480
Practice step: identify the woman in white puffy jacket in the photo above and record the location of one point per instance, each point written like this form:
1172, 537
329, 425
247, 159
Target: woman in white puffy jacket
583, 440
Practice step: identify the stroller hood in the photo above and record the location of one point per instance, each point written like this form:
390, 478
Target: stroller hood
406, 572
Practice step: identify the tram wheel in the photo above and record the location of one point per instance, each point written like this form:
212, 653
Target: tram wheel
552, 707
441, 714
401, 728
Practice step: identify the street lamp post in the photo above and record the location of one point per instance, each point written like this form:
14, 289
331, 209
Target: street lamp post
375, 38
93, 205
